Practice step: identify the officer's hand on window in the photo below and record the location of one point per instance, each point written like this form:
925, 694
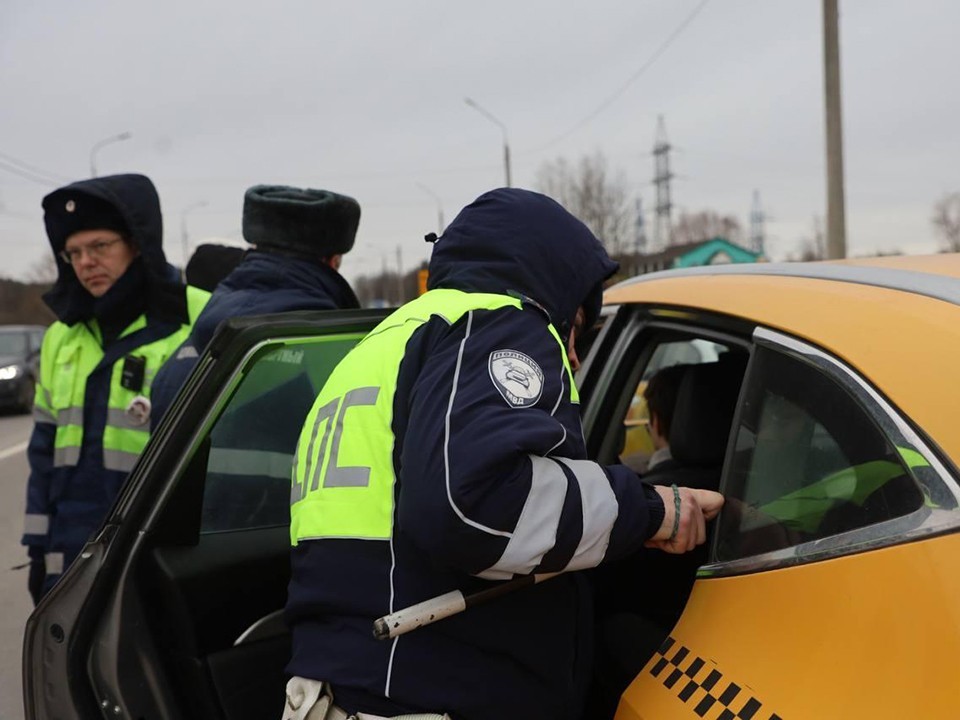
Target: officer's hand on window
680, 534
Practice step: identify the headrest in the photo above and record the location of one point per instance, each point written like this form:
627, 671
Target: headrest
706, 402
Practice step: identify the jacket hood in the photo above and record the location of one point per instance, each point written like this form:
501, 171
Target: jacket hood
135, 198
266, 283
518, 242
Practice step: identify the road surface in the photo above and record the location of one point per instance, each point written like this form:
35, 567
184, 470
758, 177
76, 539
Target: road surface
15, 604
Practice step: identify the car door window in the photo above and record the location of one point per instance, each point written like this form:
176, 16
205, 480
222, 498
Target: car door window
252, 444
808, 462
638, 444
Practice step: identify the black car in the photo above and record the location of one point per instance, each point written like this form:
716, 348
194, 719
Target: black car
19, 365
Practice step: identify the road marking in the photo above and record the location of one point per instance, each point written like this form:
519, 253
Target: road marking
18, 448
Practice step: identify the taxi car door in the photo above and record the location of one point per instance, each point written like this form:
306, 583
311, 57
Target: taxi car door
174, 608
834, 510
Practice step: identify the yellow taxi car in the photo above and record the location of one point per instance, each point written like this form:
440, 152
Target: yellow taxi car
830, 588
819, 398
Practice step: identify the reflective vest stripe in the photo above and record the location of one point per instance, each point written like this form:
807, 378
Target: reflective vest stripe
119, 460
249, 462
34, 524
53, 563
41, 415
70, 416
64, 455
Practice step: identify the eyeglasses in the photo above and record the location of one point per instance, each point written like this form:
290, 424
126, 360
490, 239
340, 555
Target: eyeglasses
95, 250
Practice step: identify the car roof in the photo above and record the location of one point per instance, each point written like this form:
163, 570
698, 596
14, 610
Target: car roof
894, 319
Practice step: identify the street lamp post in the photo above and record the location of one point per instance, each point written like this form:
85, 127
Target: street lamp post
436, 197
183, 228
106, 141
503, 129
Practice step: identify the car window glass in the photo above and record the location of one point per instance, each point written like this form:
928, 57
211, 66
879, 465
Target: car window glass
252, 444
13, 343
638, 444
808, 463
36, 340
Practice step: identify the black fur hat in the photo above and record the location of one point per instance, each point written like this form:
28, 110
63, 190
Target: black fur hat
318, 223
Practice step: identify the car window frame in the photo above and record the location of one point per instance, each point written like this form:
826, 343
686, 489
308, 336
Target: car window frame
938, 481
626, 359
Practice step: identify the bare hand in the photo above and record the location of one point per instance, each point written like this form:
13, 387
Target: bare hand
696, 507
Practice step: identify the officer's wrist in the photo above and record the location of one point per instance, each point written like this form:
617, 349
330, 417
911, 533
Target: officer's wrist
657, 513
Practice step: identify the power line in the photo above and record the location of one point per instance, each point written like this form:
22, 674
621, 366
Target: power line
632, 79
27, 175
34, 169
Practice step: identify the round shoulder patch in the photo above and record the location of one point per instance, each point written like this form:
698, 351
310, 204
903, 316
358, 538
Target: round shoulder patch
516, 376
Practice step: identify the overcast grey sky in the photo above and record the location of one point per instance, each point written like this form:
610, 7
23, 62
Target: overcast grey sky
367, 98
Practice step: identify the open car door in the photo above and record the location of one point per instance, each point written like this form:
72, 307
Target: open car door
174, 609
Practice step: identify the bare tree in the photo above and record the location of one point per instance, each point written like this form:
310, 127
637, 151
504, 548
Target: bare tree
811, 248
593, 194
706, 225
946, 221
44, 270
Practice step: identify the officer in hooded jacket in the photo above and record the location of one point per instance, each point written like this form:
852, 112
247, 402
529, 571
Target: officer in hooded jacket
121, 312
445, 452
300, 236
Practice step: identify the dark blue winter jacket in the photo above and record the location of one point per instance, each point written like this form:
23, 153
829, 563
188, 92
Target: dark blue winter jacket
96, 367
488, 485
262, 283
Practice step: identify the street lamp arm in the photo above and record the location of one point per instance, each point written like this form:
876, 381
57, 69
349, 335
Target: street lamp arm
106, 141
488, 115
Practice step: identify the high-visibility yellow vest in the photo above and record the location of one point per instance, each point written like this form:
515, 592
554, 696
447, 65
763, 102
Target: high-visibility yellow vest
70, 353
343, 475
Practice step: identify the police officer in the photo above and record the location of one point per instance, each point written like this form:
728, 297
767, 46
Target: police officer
121, 311
299, 238
445, 452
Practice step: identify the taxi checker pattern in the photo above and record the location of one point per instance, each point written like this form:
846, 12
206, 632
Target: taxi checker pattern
699, 683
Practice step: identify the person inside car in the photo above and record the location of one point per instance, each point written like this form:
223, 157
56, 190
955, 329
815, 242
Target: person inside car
121, 312
426, 466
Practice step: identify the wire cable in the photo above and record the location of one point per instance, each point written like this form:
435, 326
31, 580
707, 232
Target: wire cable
27, 175
34, 169
632, 79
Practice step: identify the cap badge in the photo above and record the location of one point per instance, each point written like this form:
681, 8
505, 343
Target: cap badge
71, 206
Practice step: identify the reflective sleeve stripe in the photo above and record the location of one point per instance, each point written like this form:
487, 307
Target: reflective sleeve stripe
53, 563
536, 530
36, 524
600, 511
66, 456
250, 462
42, 415
119, 460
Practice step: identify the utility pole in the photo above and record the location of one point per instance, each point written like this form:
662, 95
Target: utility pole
399, 275
757, 219
503, 129
184, 236
640, 236
836, 213
661, 179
